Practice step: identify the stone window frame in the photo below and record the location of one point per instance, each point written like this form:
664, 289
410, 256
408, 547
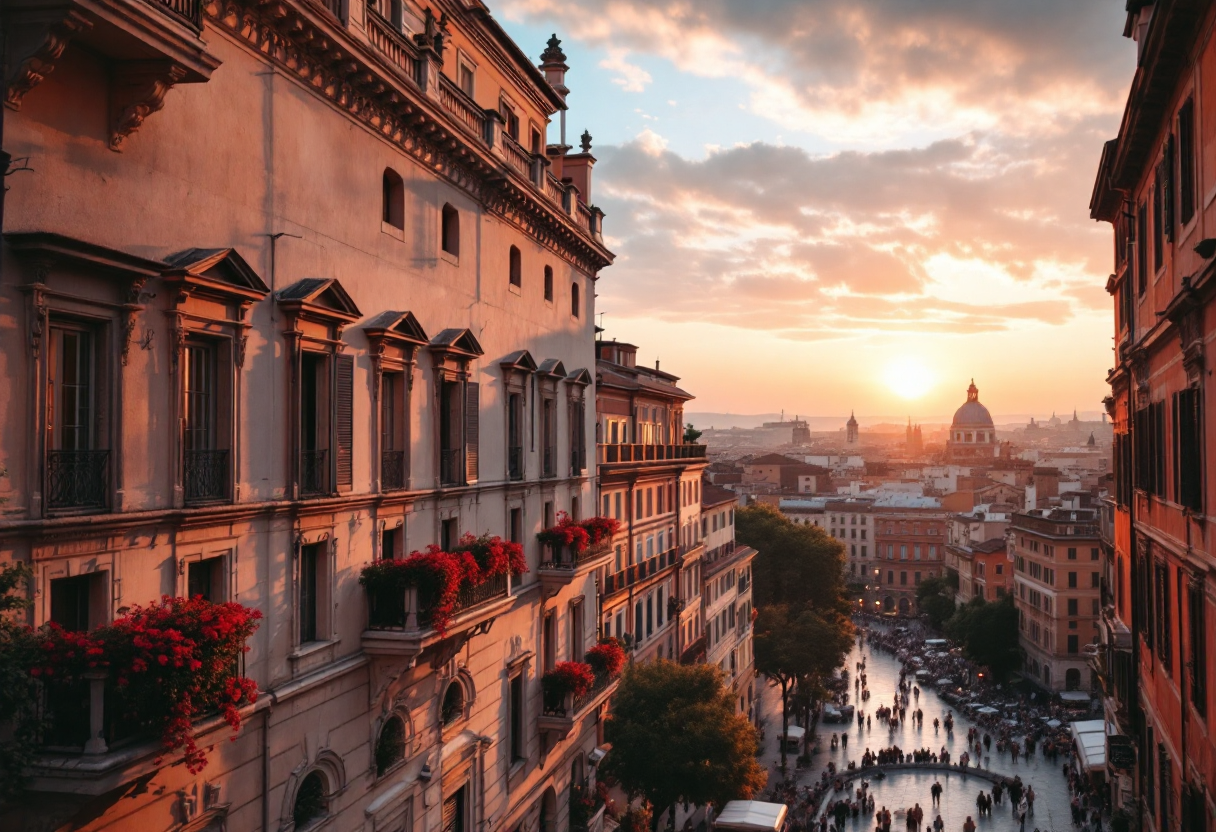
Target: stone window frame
394, 339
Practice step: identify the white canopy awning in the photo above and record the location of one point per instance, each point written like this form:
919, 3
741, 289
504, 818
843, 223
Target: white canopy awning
1074, 696
794, 732
1090, 736
752, 815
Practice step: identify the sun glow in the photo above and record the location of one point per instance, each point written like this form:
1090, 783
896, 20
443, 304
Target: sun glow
909, 378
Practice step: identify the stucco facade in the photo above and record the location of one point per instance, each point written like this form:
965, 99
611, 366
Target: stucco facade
292, 310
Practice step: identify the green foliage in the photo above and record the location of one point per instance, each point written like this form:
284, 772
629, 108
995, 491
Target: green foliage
18, 692
988, 632
691, 434
935, 598
797, 565
676, 737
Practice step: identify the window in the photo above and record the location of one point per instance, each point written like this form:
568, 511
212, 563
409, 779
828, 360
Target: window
1073, 644
392, 431
1188, 448
516, 697
574, 301
548, 432
1186, 161
315, 421
79, 602
449, 533
515, 436
549, 283
465, 78
450, 230
390, 745
1142, 249
1164, 614
391, 541
205, 471
1072, 553
452, 709
578, 435
1072, 580
205, 579
312, 584
1095, 580
459, 431
548, 642
510, 120
1158, 219
1197, 604
311, 802
516, 269
1072, 606
76, 468
393, 200
1093, 554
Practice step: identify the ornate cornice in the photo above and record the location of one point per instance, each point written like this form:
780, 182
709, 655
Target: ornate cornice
363, 83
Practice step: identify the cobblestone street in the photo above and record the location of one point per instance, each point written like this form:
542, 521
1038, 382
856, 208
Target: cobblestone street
900, 791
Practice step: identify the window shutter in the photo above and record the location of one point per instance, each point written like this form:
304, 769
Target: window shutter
472, 429
344, 422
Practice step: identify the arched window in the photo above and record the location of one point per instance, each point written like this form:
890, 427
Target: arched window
390, 745
453, 704
451, 230
548, 283
517, 272
393, 199
574, 301
311, 802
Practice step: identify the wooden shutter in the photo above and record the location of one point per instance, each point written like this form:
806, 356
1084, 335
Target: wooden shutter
453, 812
344, 422
472, 429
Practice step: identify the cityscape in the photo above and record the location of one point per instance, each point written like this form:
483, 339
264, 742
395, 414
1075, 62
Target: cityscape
463, 416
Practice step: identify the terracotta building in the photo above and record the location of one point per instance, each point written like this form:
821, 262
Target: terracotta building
1154, 185
726, 597
910, 545
290, 288
1057, 574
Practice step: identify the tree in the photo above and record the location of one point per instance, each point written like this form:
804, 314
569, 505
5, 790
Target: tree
676, 737
988, 632
797, 565
18, 691
936, 599
691, 434
798, 648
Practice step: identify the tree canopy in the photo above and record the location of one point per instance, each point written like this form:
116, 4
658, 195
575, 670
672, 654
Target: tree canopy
676, 737
18, 693
988, 631
935, 598
798, 565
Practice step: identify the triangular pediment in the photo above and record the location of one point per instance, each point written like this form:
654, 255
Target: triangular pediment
321, 296
401, 326
552, 367
579, 376
521, 360
220, 267
460, 341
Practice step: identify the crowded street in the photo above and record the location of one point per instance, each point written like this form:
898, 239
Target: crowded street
1005, 740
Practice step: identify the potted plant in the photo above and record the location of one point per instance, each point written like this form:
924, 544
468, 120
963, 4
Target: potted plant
565, 534
435, 574
607, 658
493, 555
566, 679
601, 529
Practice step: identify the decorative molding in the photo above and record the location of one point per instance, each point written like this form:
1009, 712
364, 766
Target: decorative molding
38, 312
42, 43
130, 312
137, 91
240, 344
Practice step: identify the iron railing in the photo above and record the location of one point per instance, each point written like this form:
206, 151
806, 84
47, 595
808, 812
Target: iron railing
515, 462
649, 453
206, 475
314, 472
77, 479
392, 470
390, 607
451, 466
565, 558
638, 572
189, 10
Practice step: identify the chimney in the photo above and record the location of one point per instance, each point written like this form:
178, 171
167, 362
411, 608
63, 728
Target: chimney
576, 168
553, 65
656, 364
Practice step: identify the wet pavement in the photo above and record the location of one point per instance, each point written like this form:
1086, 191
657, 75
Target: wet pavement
900, 791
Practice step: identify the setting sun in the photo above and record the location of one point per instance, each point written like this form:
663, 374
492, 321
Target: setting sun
909, 378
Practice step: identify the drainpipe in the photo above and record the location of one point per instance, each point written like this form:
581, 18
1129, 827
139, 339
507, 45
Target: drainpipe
266, 766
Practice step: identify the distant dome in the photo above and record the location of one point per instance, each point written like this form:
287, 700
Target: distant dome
972, 414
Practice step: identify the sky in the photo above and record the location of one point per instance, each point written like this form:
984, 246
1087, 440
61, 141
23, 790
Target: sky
820, 206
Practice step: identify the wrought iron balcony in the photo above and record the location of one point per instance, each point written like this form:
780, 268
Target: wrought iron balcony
314, 472
559, 718
451, 466
639, 572
77, 479
205, 476
399, 620
190, 11
562, 566
392, 470
609, 454
515, 462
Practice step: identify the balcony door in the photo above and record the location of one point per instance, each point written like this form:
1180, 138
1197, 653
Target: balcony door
77, 460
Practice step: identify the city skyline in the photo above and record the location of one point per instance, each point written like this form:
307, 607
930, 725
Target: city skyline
810, 204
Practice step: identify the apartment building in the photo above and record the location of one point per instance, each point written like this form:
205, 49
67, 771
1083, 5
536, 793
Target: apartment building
650, 481
852, 523
1154, 185
292, 288
910, 545
1057, 562
726, 597
976, 553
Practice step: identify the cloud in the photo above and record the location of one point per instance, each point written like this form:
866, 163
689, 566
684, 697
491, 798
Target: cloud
651, 143
630, 77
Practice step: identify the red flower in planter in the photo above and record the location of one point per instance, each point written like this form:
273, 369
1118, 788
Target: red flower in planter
607, 658
493, 555
565, 533
436, 574
600, 529
567, 678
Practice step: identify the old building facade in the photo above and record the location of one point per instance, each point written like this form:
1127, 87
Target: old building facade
334, 303
1154, 185
910, 545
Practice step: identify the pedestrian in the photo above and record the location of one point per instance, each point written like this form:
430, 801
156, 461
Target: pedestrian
1030, 798
936, 791
979, 803
969, 825
939, 825
844, 741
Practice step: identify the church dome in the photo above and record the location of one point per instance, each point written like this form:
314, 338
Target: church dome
972, 414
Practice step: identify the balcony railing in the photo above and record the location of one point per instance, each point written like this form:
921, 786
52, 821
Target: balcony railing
638, 572
451, 466
392, 470
570, 705
205, 476
77, 479
460, 105
190, 11
515, 462
411, 610
314, 472
516, 156
648, 453
564, 558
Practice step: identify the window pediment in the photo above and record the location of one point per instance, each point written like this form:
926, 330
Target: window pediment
453, 349
217, 272
398, 327
516, 368
553, 368
321, 301
580, 377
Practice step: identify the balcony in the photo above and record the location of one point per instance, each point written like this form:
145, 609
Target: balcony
205, 476
392, 470
560, 719
398, 624
562, 566
77, 480
612, 454
515, 463
694, 653
314, 473
639, 572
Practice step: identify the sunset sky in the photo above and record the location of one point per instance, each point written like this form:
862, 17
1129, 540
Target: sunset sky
821, 205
